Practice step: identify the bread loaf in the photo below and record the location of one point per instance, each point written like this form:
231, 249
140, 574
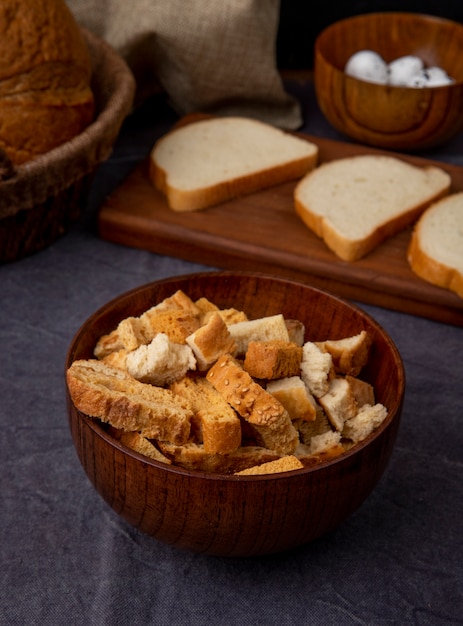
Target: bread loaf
212, 160
435, 252
45, 73
354, 203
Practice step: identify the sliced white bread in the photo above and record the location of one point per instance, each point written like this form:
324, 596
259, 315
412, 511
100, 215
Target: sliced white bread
435, 252
354, 203
209, 161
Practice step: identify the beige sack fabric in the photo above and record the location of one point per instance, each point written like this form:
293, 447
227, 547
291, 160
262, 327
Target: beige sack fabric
209, 56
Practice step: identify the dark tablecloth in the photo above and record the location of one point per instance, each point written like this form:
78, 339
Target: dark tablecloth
66, 558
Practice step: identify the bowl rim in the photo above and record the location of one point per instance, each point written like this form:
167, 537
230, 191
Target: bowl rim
361, 17
100, 430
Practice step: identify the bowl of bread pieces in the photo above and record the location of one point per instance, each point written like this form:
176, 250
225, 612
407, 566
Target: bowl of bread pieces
392, 80
64, 95
233, 414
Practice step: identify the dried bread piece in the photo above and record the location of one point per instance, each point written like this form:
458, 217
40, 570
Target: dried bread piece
45, 78
212, 160
229, 316
192, 456
296, 331
160, 362
115, 397
217, 423
294, 395
273, 359
339, 403
316, 369
354, 203
307, 429
362, 391
349, 354
435, 251
267, 416
262, 329
283, 464
210, 341
367, 419
142, 445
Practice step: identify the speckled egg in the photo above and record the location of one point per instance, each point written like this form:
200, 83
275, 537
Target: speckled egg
402, 70
367, 65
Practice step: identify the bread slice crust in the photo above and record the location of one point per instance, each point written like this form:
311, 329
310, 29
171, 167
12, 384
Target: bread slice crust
355, 203
209, 161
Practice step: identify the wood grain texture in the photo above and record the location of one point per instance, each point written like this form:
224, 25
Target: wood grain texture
396, 118
262, 232
240, 515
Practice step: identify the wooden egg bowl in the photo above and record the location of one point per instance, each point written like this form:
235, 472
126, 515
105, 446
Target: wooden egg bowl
396, 118
226, 515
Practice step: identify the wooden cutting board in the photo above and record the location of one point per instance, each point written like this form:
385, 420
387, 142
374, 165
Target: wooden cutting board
262, 232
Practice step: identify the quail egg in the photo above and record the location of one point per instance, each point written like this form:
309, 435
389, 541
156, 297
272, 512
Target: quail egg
401, 71
367, 65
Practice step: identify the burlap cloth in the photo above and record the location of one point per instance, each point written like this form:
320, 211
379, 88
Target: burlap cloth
211, 56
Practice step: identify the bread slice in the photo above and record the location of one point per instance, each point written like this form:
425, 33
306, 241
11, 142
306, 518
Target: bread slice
115, 397
212, 160
435, 252
354, 203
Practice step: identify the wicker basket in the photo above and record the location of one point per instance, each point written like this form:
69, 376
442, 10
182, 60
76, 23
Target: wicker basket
41, 199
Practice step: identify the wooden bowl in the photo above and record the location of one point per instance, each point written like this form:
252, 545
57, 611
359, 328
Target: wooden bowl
397, 118
228, 515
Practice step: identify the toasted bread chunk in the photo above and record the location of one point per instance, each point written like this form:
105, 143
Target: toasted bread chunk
283, 464
296, 331
364, 422
178, 301
307, 430
269, 418
339, 403
177, 324
273, 359
210, 341
349, 354
142, 445
294, 395
316, 369
229, 316
218, 424
192, 456
160, 362
362, 391
261, 329
115, 397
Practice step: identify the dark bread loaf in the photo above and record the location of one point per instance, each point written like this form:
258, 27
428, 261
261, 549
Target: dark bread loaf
45, 73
